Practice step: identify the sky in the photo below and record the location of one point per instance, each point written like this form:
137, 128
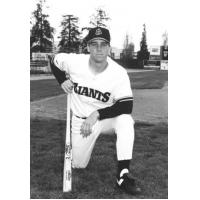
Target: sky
127, 17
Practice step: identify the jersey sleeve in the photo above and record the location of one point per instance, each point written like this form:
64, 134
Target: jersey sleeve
60, 67
61, 62
122, 89
123, 99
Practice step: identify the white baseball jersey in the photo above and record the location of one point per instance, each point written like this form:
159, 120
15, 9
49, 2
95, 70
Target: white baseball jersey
92, 92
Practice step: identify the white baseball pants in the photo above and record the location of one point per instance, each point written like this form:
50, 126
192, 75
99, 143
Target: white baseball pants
123, 126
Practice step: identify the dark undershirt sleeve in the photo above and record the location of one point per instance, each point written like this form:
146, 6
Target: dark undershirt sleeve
123, 106
59, 75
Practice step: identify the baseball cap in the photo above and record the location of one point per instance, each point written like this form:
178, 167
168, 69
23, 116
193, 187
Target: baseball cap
98, 33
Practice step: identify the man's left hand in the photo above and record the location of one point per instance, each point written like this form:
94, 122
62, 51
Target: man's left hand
86, 128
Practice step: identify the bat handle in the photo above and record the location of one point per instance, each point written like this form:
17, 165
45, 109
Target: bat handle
68, 102
68, 116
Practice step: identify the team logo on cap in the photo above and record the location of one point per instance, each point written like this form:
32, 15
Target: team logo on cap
98, 32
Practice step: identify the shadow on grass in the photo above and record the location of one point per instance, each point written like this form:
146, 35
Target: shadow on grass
149, 164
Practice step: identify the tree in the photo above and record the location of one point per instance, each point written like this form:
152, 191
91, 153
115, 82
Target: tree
127, 53
99, 19
128, 48
143, 54
165, 38
41, 34
70, 35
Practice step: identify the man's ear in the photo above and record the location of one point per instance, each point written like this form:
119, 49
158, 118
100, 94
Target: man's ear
88, 49
110, 51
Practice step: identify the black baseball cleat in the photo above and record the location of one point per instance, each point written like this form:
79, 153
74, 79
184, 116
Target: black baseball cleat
127, 184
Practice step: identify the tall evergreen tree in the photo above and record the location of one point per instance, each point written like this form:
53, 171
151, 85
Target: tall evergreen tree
165, 38
41, 36
99, 19
143, 53
128, 48
70, 35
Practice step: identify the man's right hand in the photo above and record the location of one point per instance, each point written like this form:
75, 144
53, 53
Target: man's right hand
67, 86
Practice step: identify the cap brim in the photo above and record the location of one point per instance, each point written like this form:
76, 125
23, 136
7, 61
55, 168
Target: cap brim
98, 38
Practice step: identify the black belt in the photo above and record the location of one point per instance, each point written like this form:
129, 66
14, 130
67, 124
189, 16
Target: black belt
80, 117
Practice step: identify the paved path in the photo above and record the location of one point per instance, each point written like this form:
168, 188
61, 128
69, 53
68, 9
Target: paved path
41, 77
150, 105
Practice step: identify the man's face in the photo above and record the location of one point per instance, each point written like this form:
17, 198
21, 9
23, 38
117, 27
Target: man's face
99, 50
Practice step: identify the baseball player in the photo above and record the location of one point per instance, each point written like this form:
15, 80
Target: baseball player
101, 100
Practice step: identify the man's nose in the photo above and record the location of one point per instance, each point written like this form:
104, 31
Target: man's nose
99, 47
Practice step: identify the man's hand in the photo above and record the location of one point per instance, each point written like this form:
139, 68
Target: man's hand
67, 86
86, 128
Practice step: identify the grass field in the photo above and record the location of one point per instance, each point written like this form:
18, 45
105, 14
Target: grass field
140, 80
149, 163
150, 153
148, 79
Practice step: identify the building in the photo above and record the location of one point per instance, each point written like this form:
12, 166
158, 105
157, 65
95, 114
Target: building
158, 58
164, 58
155, 53
116, 53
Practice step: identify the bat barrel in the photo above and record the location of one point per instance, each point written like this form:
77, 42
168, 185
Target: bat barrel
67, 172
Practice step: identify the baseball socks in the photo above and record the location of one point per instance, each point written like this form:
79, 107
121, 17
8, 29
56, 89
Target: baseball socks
124, 181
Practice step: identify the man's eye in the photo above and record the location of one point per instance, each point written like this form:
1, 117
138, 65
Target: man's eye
103, 44
94, 44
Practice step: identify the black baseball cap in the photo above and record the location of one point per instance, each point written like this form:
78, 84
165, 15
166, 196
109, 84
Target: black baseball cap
98, 33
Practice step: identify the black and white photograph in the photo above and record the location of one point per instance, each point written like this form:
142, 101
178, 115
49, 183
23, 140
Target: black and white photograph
98, 99
91, 105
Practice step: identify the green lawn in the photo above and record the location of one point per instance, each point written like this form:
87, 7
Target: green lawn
148, 79
139, 80
44, 88
149, 164
150, 153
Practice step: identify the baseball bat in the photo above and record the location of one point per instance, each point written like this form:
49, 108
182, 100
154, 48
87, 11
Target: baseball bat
67, 172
